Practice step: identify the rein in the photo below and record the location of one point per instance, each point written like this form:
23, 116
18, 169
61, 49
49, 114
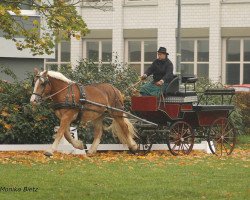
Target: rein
45, 98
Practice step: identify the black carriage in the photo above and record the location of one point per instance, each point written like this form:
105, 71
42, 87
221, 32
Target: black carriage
178, 118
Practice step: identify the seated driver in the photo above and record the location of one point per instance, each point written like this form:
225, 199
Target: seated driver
162, 71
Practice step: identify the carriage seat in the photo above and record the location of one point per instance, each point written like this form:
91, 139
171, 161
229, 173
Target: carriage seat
173, 94
173, 88
212, 107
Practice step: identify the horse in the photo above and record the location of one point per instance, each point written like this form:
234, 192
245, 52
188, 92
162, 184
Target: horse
66, 94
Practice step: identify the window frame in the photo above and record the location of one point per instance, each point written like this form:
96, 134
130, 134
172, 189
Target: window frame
196, 62
142, 62
99, 62
140, 2
59, 63
241, 61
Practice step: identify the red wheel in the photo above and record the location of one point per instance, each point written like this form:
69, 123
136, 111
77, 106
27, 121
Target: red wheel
180, 138
222, 137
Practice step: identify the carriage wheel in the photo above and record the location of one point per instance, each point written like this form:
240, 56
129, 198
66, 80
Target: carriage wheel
144, 144
222, 137
180, 138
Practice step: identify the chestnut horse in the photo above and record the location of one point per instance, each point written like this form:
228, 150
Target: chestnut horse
54, 85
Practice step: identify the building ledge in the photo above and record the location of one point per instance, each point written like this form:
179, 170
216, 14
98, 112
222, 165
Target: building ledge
235, 1
128, 3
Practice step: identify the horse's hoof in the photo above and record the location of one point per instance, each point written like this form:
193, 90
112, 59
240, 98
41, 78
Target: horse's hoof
48, 154
85, 146
80, 145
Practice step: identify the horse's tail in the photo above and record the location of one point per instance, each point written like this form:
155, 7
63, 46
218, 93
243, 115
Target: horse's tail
124, 130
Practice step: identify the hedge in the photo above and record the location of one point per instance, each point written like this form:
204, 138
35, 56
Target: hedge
20, 123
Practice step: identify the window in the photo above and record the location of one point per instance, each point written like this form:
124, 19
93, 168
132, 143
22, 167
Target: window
195, 57
96, 0
98, 51
140, 54
62, 56
141, 2
237, 61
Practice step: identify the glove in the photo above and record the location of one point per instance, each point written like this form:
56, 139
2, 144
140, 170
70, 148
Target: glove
144, 76
159, 83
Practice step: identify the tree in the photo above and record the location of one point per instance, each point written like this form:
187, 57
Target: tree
58, 19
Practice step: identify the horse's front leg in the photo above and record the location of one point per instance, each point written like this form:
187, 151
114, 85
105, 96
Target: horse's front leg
64, 126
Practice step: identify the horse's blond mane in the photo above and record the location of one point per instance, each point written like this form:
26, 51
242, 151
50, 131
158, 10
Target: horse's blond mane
59, 76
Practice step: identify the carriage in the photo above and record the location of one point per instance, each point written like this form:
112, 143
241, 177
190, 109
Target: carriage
179, 119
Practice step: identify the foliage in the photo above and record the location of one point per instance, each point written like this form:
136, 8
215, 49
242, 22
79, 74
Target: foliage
58, 20
113, 175
20, 123
242, 102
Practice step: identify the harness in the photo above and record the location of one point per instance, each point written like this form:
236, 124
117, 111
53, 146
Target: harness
70, 101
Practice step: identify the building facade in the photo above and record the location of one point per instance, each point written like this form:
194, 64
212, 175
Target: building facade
215, 36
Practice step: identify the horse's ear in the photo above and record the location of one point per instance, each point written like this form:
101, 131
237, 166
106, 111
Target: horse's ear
45, 73
36, 71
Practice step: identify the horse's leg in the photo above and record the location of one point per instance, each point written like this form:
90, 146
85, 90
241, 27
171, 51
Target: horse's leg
125, 132
78, 144
64, 126
98, 130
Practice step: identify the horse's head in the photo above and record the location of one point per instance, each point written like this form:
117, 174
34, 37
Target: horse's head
42, 86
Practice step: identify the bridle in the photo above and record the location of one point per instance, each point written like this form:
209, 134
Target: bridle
45, 81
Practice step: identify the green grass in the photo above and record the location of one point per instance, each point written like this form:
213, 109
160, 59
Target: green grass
122, 176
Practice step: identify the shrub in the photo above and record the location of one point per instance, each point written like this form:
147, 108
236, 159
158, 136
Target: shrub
242, 102
19, 122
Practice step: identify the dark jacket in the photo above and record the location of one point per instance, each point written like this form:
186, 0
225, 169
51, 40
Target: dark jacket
161, 69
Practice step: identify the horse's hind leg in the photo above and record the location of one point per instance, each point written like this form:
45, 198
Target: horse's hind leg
98, 130
78, 144
125, 132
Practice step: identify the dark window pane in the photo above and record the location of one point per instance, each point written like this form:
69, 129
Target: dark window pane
203, 70
106, 51
233, 50
233, 74
65, 51
203, 50
150, 48
92, 51
247, 50
187, 69
27, 24
137, 67
187, 51
134, 51
146, 66
246, 75
56, 55
25, 5
53, 67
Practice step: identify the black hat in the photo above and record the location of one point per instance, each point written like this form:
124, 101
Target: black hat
162, 50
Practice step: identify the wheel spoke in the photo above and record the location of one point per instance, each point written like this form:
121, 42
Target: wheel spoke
186, 145
221, 148
228, 143
174, 146
185, 132
229, 131
225, 149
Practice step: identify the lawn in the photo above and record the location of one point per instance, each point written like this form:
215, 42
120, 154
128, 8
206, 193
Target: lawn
113, 175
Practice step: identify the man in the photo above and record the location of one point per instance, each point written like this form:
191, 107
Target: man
162, 71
